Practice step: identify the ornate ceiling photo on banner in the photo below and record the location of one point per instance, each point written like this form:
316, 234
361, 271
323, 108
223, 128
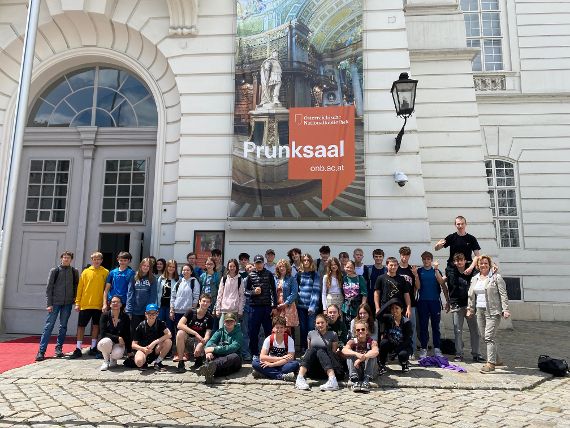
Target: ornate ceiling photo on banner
298, 149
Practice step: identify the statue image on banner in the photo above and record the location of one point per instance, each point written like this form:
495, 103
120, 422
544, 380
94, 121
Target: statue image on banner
298, 149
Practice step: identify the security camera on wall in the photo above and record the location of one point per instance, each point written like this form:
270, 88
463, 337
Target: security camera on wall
400, 178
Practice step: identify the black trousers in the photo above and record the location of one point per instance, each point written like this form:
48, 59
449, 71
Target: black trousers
227, 364
387, 348
317, 361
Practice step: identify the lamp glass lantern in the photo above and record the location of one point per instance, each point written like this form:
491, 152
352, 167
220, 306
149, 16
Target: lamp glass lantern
404, 95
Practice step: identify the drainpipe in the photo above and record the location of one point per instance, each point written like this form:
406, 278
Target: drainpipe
16, 143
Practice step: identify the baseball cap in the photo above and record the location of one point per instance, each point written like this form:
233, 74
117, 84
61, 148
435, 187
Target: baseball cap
151, 307
230, 317
258, 258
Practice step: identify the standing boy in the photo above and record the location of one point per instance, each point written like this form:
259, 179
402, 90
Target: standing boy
269, 263
60, 295
460, 242
375, 270
410, 274
192, 260
117, 283
88, 302
429, 303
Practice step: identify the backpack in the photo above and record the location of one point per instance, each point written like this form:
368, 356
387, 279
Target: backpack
73, 272
192, 282
553, 366
226, 277
285, 340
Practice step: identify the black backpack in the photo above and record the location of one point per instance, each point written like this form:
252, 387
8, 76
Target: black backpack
554, 366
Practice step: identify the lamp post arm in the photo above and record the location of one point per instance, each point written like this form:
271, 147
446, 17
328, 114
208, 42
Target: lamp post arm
400, 135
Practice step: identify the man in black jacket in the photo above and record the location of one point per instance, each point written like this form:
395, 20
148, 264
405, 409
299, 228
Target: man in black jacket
60, 295
261, 286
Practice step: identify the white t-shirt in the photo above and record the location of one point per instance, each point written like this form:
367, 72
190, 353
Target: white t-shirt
479, 290
276, 344
359, 270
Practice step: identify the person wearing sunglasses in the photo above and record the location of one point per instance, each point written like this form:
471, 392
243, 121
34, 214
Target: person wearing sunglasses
361, 353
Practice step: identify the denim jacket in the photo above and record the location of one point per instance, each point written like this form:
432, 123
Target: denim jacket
290, 289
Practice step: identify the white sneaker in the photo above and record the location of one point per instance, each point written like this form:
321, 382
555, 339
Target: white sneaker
437, 352
301, 383
104, 366
330, 385
113, 363
423, 353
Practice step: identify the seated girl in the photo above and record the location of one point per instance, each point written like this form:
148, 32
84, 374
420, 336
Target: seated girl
365, 314
397, 336
361, 353
318, 361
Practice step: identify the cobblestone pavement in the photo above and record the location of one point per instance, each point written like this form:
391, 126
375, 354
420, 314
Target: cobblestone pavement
81, 396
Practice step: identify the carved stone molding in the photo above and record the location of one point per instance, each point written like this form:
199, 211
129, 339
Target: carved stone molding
495, 82
183, 17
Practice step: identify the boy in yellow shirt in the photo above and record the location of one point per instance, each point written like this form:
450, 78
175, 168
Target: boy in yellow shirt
88, 302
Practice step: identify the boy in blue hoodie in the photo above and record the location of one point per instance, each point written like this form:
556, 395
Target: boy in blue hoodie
223, 350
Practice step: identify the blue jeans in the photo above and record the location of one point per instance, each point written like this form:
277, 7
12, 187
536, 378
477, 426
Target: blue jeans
64, 312
245, 353
429, 310
259, 316
414, 330
275, 372
306, 324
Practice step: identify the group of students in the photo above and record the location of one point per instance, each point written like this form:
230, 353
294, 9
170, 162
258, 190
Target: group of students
350, 317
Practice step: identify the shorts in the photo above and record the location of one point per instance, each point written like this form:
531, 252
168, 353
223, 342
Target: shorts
86, 315
151, 357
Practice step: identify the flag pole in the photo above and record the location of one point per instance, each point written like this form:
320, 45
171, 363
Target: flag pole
16, 143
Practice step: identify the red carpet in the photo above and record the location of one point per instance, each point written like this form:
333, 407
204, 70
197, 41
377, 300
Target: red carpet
21, 352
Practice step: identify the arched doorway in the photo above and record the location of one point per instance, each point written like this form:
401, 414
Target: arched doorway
85, 182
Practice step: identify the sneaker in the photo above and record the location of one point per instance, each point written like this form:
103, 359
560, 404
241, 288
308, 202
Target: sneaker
113, 363
330, 385
159, 367
247, 359
413, 357
59, 352
423, 353
104, 366
76, 354
458, 358
365, 386
92, 352
199, 362
40, 356
382, 369
437, 352
356, 387
487, 368
289, 377
301, 383
479, 358
181, 368
405, 367
257, 375
207, 370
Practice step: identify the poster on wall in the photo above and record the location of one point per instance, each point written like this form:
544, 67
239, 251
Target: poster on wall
298, 147
205, 241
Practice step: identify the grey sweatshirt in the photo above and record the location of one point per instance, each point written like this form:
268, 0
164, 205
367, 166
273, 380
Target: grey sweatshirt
62, 290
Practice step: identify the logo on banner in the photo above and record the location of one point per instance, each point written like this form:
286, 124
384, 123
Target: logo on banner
321, 145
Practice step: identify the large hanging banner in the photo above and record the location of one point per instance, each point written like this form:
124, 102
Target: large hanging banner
298, 150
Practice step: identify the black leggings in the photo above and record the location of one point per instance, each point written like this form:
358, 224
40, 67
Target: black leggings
387, 347
317, 361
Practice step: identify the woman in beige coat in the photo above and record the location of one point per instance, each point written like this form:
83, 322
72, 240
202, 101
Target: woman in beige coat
488, 299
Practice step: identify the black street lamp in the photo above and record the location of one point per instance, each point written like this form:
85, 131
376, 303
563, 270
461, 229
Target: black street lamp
404, 96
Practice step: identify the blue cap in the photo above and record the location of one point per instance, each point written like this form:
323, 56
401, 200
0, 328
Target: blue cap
151, 307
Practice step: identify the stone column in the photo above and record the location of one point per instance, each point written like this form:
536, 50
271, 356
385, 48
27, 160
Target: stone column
87, 135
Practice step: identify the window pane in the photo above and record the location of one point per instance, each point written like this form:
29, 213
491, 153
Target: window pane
35, 178
33, 203
491, 24
81, 79
103, 119
31, 215
34, 190
133, 90
138, 178
47, 190
81, 100
40, 114
137, 203
121, 216
49, 165
490, 4
110, 191
83, 118
60, 190
137, 191
36, 165
111, 178
62, 178
139, 165
122, 203
493, 55
63, 165
469, 5
472, 27
146, 113
59, 204
108, 99
46, 203
111, 78
109, 203
44, 216
124, 190
112, 165
49, 178
57, 92
135, 216
124, 116
125, 178
62, 115
125, 165
108, 217
58, 217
